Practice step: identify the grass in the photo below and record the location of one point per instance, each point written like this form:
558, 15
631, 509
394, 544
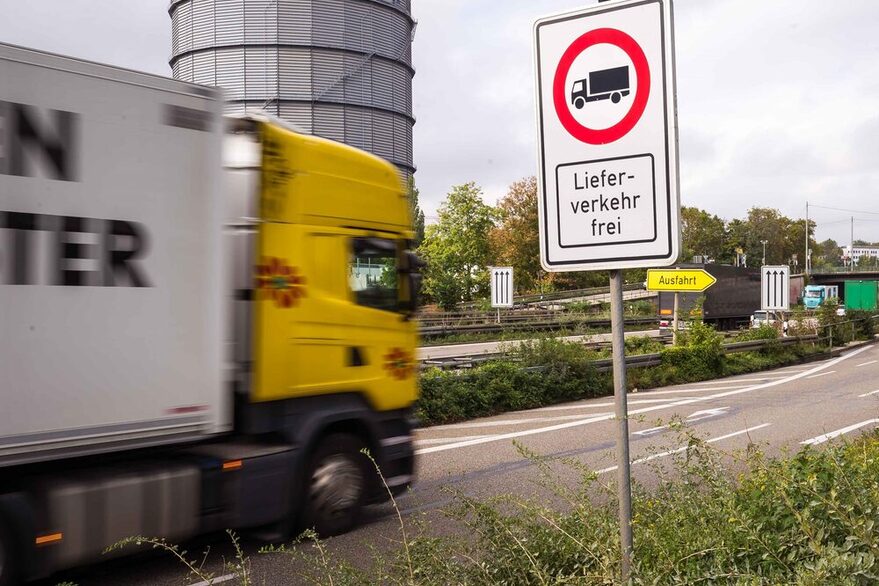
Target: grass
804, 519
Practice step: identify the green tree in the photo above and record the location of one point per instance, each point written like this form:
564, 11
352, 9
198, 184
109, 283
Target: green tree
457, 248
703, 234
417, 214
515, 241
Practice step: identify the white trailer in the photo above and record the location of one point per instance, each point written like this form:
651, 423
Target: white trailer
110, 227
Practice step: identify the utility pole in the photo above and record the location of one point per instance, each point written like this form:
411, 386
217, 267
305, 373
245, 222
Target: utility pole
764, 251
851, 246
806, 260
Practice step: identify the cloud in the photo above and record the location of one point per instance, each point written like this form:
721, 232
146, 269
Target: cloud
776, 100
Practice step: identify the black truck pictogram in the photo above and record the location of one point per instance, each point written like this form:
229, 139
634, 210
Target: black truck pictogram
610, 83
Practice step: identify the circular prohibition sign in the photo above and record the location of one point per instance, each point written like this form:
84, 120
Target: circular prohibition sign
642, 72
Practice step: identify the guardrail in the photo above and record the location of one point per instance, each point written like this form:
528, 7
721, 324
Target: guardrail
606, 364
486, 328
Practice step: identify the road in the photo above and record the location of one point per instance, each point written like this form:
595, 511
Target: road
783, 408
475, 349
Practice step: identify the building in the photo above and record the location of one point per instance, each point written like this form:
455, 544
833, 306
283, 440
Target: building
859, 252
341, 69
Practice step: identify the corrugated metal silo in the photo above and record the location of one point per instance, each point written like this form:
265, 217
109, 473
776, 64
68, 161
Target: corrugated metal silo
341, 69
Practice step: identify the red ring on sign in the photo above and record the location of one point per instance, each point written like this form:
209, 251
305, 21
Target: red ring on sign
642, 72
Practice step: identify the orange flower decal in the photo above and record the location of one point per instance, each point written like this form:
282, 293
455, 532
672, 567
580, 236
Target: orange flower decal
399, 363
277, 280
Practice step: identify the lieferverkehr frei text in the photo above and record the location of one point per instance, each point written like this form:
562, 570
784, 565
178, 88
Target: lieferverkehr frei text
607, 201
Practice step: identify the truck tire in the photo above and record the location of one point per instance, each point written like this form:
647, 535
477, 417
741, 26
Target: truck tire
579, 103
9, 575
337, 485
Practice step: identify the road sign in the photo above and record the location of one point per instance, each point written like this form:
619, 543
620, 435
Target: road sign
775, 288
608, 140
502, 286
690, 280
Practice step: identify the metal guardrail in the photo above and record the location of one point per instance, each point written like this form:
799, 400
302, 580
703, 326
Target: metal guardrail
606, 364
486, 328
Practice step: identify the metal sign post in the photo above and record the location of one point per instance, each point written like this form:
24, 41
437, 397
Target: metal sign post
608, 165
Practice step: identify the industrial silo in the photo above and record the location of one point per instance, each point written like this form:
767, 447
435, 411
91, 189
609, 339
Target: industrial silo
341, 69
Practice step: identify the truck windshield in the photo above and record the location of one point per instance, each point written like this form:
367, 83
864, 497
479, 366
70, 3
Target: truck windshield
813, 294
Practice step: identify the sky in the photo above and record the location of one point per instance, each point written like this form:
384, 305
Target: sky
778, 100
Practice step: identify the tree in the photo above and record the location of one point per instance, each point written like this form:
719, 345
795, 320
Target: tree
703, 234
515, 242
457, 249
417, 214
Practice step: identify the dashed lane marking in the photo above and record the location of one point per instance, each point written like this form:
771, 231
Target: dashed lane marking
589, 405
868, 394
866, 363
445, 440
683, 448
217, 580
599, 418
505, 422
820, 439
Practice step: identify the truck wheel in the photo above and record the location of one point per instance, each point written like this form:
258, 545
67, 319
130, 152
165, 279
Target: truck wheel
579, 103
8, 570
615, 97
337, 485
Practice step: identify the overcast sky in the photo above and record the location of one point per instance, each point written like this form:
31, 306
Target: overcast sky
778, 100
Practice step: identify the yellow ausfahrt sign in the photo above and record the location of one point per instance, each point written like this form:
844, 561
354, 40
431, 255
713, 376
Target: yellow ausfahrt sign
689, 280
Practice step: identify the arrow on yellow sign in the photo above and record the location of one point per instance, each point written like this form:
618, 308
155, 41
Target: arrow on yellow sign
690, 280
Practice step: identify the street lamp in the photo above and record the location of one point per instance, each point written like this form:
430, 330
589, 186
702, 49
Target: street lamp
764, 251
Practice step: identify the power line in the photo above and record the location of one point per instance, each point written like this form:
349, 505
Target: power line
811, 205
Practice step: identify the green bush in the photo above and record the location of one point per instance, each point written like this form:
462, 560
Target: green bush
808, 519
764, 332
545, 371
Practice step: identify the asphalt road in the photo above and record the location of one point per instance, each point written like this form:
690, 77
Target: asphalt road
781, 409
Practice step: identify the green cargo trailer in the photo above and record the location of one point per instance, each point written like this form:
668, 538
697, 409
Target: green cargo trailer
860, 295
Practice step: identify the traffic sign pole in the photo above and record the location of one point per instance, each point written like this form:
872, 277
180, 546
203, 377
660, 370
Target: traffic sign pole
618, 346
674, 335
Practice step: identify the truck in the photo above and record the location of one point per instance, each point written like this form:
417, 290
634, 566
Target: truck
728, 304
860, 295
612, 84
205, 323
815, 295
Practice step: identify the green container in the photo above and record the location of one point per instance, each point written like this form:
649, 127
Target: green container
860, 295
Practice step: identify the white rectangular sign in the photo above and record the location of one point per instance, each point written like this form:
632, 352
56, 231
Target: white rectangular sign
607, 137
775, 288
502, 286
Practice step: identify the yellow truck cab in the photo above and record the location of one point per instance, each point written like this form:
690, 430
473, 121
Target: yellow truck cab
323, 331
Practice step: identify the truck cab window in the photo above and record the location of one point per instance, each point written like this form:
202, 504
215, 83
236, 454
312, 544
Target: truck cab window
372, 273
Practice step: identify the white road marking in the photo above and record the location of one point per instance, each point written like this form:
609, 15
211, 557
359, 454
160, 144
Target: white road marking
706, 414
821, 374
868, 394
866, 363
217, 580
598, 418
828, 436
739, 380
445, 440
589, 405
505, 422
681, 391
650, 431
683, 448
